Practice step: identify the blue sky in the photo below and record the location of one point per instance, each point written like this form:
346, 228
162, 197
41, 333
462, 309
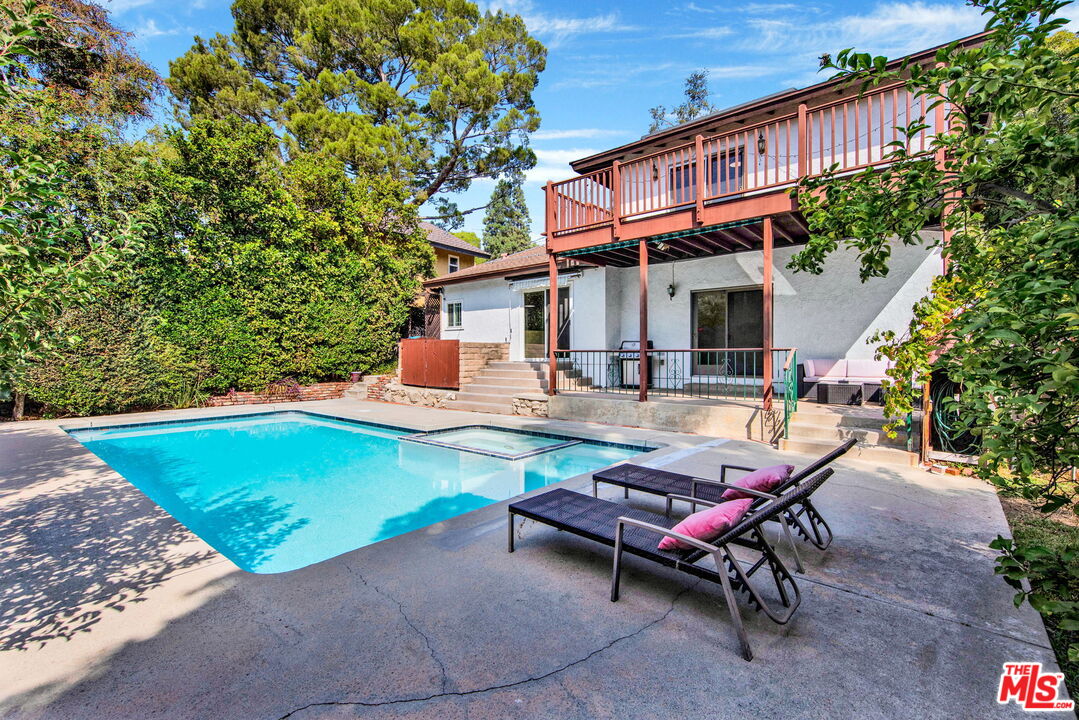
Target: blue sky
609, 62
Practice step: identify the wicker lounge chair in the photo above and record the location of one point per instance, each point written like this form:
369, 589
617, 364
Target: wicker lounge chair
807, 522
638, 532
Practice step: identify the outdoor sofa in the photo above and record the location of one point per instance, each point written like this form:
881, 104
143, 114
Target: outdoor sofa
638, 532
861, 376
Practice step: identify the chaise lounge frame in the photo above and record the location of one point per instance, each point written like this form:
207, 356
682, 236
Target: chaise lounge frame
805, 518
634, 531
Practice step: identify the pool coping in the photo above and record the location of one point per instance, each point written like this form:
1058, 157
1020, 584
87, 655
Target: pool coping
425, 438
416, 435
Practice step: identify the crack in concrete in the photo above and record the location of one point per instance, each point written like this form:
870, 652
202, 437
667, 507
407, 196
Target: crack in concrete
408, 621
920, 611
503, 686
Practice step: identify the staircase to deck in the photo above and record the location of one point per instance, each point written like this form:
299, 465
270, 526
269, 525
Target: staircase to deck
815, 429
493, 389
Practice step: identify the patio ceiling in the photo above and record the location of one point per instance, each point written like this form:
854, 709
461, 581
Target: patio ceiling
725, 239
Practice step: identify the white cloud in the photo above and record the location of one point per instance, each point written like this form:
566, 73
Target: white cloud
893, 28
742, 71
765, 8
556, 29
148, 29
576, 134
119, 7
554, 164
709, 33
620, 72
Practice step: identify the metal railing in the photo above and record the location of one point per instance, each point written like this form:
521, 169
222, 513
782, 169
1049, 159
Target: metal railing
790, 390
711, 373
850, 133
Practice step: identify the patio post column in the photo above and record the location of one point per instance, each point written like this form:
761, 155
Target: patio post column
552, 324
767, 325
642, 249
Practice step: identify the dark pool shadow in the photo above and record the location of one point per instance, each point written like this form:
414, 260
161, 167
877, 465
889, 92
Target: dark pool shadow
437, 510
82, 547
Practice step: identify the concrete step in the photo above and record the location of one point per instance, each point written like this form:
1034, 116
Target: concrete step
506, 399
838, 434
483, 407
522, 374
883, 455
517, 365
523, 382
476, 388
809, 415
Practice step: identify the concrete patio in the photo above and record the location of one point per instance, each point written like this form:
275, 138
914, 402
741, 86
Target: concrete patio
111, 609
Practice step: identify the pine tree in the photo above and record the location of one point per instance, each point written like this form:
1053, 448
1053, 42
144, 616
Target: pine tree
506, 225
697, 103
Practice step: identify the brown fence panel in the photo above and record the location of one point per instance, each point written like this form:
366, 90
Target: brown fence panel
427, 362
443, 363
413, 368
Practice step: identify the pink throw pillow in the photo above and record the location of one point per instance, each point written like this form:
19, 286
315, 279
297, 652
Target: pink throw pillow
762, 480
708, 524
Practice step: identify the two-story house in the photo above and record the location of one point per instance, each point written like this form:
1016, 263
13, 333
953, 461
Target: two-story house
684, 236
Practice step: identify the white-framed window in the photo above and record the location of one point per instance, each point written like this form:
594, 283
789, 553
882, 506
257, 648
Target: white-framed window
453, 315
454, 263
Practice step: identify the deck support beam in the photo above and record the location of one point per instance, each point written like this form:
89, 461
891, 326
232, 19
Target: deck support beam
552, 324
767, 326
643, 375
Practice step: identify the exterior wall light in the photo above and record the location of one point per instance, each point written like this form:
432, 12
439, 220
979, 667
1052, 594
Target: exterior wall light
671, 291
761, 144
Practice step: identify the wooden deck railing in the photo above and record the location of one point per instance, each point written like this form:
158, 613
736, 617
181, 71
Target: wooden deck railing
849, 133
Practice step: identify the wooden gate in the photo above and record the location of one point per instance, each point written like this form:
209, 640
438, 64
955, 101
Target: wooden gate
427, 362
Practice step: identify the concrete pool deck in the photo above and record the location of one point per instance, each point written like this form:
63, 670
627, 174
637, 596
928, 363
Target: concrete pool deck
109, 608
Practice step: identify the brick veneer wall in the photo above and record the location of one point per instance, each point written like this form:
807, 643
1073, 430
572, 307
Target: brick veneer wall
282, 393
376, 385
474, 357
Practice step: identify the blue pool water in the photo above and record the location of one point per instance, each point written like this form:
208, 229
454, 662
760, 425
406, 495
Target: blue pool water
279, 491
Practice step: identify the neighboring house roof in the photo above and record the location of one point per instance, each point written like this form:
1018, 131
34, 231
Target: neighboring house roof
534, 258
448, 241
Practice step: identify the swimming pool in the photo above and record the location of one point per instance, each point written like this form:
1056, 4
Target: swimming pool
278, 491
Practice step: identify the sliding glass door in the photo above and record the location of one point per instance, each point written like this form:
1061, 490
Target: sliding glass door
535, 323
728, 319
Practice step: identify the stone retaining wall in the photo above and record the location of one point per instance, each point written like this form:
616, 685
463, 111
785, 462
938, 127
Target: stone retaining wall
395, 392
530, 405
282, 392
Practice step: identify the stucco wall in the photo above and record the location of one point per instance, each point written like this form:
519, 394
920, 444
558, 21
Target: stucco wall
486, 306
827, 315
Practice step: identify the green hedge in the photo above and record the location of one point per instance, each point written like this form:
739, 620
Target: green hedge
256, 269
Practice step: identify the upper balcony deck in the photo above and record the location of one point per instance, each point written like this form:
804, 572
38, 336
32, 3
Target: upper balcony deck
692, 208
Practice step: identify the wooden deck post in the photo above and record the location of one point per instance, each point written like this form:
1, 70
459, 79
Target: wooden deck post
767, 341
616, 200
803, 141
552, 324
701, 187
642, 248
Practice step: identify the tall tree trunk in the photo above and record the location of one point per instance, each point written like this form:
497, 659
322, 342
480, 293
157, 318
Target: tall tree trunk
19, 406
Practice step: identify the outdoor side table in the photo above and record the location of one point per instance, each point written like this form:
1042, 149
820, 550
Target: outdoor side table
838, 392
